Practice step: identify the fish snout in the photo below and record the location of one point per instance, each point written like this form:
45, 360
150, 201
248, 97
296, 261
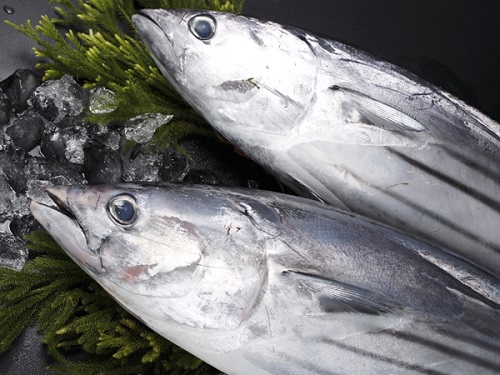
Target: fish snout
59, 194
67, 233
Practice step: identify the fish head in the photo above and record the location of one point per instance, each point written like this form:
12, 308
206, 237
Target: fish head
146, 243
113, 233
241, 74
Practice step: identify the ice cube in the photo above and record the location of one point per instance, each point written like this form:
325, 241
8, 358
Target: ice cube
59, 98
5, 107
102, 101
141, 128
26, 130
19, 87
174, 166
144, 167
13, 253
65, 140
102, 165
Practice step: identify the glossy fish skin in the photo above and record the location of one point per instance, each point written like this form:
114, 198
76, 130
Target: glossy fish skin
340, 125
264, 283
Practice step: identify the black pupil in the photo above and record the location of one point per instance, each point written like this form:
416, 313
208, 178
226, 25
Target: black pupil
124, 210
203, 28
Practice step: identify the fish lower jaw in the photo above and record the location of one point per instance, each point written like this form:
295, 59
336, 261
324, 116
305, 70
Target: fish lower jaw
68, 234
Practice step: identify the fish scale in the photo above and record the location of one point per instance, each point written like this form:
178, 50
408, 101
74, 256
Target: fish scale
257, 282
341, 126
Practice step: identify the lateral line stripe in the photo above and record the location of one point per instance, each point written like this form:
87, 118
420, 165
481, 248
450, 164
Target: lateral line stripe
383, 358
492, 347
442, 220
470, 191
459, 354
493, 175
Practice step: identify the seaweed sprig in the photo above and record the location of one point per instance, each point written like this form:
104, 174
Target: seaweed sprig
95, 42
73, 312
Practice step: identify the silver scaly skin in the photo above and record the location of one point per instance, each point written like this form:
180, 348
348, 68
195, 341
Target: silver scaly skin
257, 282
339, 125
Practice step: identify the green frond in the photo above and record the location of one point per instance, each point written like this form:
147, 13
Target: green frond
16, 327
167, 135
110, 55
154, 353
99, 366
182, 363
63, 307
16, 316
234, 6
42, 243
71, 310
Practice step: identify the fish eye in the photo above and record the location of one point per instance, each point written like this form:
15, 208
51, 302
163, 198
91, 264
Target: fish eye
123, 210
202, 26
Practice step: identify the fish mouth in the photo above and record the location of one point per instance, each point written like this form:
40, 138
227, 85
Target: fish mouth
60, 200
158, 42
148, 26
65, 229
145, 18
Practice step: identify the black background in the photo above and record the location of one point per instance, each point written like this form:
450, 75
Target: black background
15, 48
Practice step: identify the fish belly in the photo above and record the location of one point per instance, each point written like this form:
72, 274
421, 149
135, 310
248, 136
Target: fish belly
442, 195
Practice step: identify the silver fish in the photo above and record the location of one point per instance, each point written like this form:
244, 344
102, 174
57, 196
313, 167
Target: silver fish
264, 283
339, 125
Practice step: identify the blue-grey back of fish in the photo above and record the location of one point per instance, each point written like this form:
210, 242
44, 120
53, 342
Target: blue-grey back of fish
263, 283
339, 125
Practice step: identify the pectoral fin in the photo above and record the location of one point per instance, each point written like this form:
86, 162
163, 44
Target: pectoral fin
380, 114
337, 297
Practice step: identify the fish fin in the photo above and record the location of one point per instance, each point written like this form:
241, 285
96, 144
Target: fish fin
336, 297
304, 189
380, 114
479, 285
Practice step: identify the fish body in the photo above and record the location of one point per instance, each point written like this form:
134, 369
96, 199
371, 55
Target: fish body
339, 125
264, 283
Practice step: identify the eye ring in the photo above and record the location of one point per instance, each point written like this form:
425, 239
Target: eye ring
123, 210
202, 26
